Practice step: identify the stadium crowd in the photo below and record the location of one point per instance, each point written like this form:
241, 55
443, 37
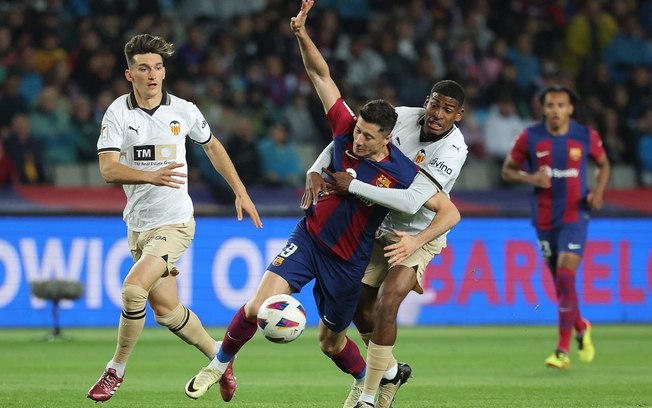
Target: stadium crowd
62, 63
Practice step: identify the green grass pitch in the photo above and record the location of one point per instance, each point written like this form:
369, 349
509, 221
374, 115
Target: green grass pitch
489, 366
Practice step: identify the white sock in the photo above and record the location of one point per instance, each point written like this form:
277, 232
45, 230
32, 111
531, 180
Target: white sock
218, 365
391, 372
218, 344
367, 398
118, 367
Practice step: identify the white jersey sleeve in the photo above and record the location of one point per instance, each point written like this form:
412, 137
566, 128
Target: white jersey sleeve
111, 133
323, 160
407, 201
200, 132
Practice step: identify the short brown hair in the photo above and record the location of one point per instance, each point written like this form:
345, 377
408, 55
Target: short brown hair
381, 113
147, 44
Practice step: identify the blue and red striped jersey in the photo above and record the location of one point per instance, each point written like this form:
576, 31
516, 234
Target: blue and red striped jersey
566, 159
347, 224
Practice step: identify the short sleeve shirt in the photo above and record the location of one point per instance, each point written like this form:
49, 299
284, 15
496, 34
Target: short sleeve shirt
148, 140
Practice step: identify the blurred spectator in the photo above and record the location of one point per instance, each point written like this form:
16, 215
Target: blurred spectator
492, 62
612, 136
475, 29
8, 54
31, 81
644, 148
276, 84
587, 33
49, 53
464, 62
501, 128
398, 66
300, 122
50, 124
191, 52
363, 65
627, 50
526, 63
414, 88
25, 151
241, 147
507, 83
281, 163
639, 89
435, 47
11, 101
6, 166
85, 129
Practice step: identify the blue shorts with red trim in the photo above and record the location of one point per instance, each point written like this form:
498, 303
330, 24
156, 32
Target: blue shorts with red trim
337, 282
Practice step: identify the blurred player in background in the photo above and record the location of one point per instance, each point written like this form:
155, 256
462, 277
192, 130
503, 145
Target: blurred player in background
142, 147
553, 157
332, 243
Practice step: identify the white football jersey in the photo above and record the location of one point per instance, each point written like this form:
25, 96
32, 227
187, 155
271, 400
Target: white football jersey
440, 161
149, 140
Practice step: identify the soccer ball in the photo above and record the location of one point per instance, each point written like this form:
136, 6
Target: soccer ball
281, 318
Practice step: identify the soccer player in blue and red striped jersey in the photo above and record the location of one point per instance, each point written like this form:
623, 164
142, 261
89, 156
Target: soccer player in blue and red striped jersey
332, 243
557, 152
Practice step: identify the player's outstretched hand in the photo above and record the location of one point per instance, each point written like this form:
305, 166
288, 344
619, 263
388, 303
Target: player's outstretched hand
298, 22
401, 250
338, 182
314, 185
245, 203
166, 176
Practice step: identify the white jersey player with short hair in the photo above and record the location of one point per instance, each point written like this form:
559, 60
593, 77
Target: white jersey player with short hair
440, 162
149, 140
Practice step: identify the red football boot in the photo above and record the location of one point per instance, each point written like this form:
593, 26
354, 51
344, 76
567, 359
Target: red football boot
107, 385
227, 383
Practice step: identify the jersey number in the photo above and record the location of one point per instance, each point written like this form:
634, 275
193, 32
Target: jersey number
545, 248
288, 250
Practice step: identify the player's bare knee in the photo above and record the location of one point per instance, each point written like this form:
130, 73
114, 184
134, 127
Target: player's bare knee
329, 347
388, 304
133, 297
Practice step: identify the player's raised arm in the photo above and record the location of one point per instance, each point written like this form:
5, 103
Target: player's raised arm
313, 61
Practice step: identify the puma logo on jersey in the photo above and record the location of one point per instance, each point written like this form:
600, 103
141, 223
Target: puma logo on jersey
134, 129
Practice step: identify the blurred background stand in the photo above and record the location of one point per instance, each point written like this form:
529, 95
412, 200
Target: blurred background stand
56, 290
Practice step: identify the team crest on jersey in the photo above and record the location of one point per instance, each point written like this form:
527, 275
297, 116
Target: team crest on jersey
278, 261
383, 181
175, 127
575, 153
420, 157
